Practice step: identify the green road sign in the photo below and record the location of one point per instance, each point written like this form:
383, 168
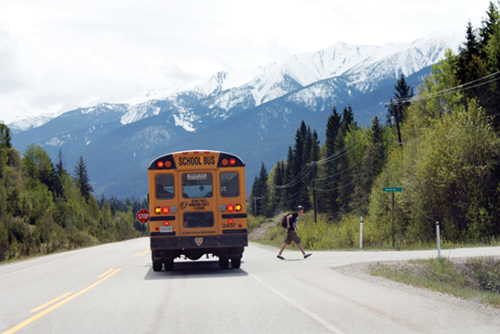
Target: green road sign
394, 189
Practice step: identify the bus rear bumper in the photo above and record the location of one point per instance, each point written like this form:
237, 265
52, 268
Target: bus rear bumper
199, 241
170, 247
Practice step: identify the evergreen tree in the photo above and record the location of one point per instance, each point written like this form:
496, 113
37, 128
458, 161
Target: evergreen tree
289, 195
260, 194
329, 175
315, 150
82, 179
470, 66
488, 28
60, 165
378, 150
345, 177
402, 97
5, 136
279, 179
300, 182
263, 192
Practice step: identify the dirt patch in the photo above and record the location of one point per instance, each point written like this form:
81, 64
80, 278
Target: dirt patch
261, 232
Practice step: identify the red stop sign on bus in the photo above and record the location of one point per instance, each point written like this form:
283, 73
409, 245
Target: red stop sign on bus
143, 216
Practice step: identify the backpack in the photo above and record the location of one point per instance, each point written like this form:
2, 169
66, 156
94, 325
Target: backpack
283, 220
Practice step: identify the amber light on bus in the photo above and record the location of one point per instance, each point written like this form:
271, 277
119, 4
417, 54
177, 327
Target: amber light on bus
230, 207
166, 164
226, 162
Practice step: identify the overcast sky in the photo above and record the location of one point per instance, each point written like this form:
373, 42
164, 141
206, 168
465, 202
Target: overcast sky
57, 55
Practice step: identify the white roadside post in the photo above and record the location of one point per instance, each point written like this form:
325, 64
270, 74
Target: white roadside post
438, 240
361, 233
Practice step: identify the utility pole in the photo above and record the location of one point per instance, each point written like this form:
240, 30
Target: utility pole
396, 118
314, 163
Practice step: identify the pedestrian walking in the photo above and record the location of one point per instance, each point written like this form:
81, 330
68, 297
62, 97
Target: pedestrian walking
291, 224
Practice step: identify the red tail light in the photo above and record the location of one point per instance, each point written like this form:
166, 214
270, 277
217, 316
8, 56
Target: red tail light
230, 207
165, 209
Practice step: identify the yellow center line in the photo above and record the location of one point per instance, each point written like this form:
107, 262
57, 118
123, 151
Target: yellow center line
61, 303
107, 272
147, 250
50, 303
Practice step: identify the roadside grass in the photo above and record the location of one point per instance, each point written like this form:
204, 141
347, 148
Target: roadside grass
344, 234
476, 279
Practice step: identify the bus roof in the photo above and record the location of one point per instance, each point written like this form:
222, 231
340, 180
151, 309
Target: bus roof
197, 158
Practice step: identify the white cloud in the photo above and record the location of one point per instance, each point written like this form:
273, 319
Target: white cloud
61, 54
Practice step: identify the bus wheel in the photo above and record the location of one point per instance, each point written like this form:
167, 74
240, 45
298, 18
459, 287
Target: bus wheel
223, 263
157, 266
235, 263
169, 265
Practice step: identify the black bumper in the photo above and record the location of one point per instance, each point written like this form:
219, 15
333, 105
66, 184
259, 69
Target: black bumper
198, 241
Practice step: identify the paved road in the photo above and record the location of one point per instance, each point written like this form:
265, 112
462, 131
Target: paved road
112, 289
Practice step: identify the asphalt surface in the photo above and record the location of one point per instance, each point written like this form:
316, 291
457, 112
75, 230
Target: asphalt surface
112, 289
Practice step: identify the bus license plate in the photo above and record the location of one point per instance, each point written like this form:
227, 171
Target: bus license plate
166, 229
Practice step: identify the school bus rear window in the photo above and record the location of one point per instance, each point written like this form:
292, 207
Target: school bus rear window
229, 184
164, 186
197, 185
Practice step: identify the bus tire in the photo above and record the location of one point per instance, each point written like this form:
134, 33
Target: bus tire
157, 266
223, 263
235, 263
169, 265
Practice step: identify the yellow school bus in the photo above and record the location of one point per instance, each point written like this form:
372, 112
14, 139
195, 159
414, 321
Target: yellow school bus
197, 205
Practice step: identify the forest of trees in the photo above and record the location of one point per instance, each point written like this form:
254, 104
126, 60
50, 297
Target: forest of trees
44, 209
448, 161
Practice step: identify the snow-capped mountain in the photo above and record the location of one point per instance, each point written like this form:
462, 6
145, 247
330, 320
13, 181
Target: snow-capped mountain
253, 113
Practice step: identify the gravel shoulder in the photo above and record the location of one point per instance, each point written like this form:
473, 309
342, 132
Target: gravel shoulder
361, 271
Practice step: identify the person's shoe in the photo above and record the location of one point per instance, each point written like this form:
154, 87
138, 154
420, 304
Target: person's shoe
280, 257
307, 255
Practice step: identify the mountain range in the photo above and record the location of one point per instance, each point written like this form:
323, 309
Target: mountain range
252, 113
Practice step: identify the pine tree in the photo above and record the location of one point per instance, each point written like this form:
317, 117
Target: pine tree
329, 175
263, 207
287, 177
402, 97
470, 66
5, 136
260, 194
279, 177
60, 165
82, 179
488, 28
345, 177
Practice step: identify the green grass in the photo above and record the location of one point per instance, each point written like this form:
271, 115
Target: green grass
474, 278
344, 234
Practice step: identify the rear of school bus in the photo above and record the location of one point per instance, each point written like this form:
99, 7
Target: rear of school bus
197, 207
